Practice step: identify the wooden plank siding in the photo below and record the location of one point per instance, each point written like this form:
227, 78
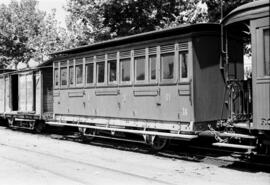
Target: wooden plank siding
208, 82
261, 75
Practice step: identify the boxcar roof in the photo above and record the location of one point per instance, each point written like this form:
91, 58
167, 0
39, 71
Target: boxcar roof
248, 11
184, 29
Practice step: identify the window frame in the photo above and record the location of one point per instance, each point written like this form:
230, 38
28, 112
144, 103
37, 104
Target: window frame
259, 65
91, 61
63, 65
120, 74
76, 65
101, 58
71, 63
162, 80
180, 59
97, 73
145, 70
183, 47
56, 69
264, 71
150, 68
108, 71
121, 58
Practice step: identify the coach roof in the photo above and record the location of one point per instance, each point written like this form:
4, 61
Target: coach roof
184, 29
248, 11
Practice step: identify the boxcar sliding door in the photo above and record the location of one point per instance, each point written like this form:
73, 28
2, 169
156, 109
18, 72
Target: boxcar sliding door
37, 92
26, 92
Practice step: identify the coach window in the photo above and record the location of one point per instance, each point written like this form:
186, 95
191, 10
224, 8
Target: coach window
167, 66
63, 74
100, 72
266, 52
71, 73
56, 75
139, 65
100, 69
140, 68
89, 67
112, 71
79, 71
183, 59
125, 70
125, 64
167, 62
152, 64
152, 67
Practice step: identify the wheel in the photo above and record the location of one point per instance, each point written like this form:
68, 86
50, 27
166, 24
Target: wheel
87, 135
39, 126
159, 143
10, 122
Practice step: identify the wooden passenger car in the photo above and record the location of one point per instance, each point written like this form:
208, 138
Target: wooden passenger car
165, 81
252, 22
256, 16
25, 97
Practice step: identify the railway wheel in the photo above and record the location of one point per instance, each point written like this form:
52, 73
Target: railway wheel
158, 143
87, 134
11, 122
39, 126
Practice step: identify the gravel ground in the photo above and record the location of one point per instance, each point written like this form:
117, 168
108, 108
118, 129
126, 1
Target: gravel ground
29, 159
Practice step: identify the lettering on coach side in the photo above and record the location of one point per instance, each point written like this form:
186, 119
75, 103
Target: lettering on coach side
265, 122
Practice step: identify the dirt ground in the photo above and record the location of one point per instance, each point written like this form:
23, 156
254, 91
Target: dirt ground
29, 159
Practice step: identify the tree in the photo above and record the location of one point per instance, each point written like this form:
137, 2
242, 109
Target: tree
26, 32
50, 38
85, 22
137, 16
214, 8
97, 20
18, 23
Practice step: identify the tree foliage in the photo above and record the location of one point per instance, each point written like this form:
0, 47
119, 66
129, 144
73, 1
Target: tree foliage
85, 22
26, 32
214, 8
95, 20
99, 20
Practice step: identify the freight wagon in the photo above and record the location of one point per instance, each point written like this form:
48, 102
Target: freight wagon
26, 97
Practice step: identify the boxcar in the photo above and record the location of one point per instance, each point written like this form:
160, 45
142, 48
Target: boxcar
164, 83
25, 99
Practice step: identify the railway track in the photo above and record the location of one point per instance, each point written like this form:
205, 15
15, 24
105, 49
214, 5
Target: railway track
179, 150
66, 159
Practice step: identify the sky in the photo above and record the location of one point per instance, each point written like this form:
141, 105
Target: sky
48, 5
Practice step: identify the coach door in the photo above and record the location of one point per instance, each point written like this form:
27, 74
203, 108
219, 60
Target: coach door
261, 75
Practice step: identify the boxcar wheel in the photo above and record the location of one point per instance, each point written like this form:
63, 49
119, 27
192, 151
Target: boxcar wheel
87, 135
39, 126
10, 122
159, 143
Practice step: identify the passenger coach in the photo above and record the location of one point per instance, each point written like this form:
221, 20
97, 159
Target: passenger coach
161, 84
